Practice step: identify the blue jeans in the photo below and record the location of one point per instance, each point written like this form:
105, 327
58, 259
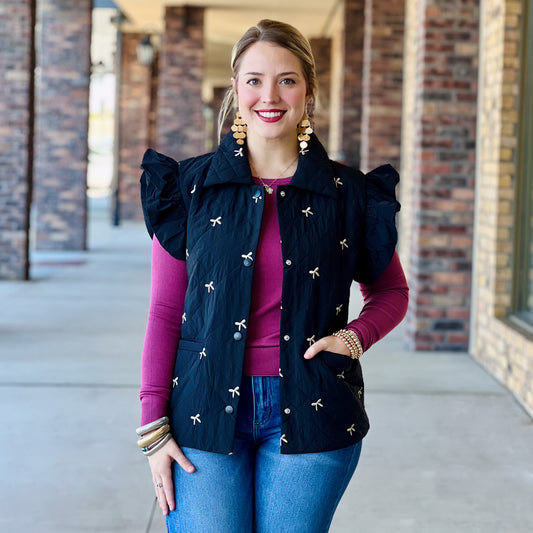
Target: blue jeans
257, 489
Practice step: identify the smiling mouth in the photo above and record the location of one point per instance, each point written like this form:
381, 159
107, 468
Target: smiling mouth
270, 115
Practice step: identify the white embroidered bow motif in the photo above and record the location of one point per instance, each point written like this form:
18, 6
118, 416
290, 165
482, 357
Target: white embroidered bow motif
311, 340
283, 440
209, 286
216, 221
257, 198
195, 419
317, 404
337, 182
238, 153
234, 392
280, 374
175, 382
193, 189
183, 318
341, 375
247, 256
343, 244
314, 273
241, 324
307, 212
339, 309
203, 354
351, 429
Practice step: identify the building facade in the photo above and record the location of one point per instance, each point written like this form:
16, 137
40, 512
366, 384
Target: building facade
442, 89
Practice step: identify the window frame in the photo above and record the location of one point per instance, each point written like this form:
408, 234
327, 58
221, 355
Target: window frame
523, 253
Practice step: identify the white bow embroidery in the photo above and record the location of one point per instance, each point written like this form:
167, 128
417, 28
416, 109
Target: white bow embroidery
234, 392
241, 324
317, 404
314, 273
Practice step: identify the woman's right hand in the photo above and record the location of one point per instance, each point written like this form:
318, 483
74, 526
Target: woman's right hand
160, 465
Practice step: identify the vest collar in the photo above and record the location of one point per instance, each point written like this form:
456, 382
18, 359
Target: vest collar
314, 172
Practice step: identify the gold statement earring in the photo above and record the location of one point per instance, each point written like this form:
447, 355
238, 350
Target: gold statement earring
239, 129
304, 131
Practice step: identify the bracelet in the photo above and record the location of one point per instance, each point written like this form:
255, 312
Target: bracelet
157, 445
156, 424
352, 342
153, 437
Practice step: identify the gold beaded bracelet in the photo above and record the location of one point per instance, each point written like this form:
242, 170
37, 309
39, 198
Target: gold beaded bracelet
352, 342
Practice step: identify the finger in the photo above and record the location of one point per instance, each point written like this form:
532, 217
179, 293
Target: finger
161, 497
184, 463
318, 346
168, 488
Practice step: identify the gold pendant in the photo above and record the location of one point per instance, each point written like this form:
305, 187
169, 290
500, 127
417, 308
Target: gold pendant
268, 189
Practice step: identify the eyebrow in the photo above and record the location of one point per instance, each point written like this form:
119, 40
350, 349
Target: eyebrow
280, 74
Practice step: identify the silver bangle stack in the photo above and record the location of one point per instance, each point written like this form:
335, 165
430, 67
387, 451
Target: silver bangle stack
352, 342
154, 435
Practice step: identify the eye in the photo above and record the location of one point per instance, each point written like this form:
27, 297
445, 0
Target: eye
253, 81
287, 81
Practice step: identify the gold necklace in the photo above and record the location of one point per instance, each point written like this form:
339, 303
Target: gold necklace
268, 188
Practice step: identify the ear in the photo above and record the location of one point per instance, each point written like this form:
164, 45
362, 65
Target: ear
234, 84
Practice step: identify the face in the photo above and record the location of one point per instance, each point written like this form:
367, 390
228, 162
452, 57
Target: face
272, 92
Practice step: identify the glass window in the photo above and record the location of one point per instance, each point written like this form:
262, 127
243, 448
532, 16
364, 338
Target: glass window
523, 286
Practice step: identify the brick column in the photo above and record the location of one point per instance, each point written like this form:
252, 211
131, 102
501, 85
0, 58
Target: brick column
321, 117
439, 191
134, 133
382, 83
62, 124
180, 121
351, 102
17, 22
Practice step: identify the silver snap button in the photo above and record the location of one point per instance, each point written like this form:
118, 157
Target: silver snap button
282, 194
237, 335
287, 411
229, 409
288, 262
286, 338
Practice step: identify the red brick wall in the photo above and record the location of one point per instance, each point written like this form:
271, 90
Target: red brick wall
62, 123
351, 102
134, 136
382, 83
440, 190
180, 123
16, 130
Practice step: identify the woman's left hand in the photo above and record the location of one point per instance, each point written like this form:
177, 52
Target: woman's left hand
329, 344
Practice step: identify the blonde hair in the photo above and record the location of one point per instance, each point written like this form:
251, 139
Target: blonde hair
280, 34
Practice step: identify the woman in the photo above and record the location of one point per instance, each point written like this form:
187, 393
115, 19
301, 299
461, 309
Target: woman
252, 392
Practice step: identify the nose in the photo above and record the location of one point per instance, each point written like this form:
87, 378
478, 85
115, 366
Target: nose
270, 93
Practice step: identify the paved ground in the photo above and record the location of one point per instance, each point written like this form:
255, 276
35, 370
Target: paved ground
449, 450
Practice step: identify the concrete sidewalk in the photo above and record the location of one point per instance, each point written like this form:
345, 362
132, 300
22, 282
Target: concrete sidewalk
449, 450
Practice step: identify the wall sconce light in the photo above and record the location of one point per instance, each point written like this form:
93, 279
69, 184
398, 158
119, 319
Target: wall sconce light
145, 51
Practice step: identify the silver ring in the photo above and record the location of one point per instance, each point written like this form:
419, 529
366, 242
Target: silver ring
159, 485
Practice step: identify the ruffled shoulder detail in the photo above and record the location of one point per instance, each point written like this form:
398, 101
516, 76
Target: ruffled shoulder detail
381, 235
164, 209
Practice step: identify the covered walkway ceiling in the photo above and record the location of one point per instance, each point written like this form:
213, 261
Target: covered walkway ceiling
227, 20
